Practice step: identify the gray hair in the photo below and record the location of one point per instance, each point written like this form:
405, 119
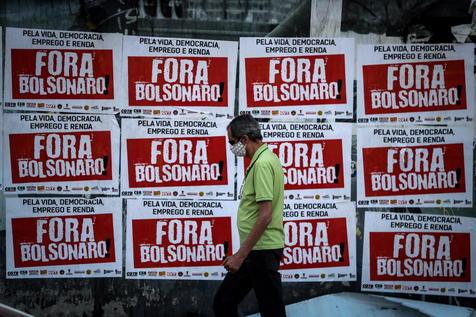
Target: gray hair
245, 125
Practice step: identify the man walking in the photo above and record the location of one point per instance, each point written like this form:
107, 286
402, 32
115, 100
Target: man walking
260, 225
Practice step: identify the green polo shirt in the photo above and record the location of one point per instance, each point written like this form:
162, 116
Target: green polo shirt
264, 181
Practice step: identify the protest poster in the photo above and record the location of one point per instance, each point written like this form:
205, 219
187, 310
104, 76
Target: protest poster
61, 153
67, 71
168, 77
419, 254
319, 241
67, 237
296, 77
176, 158
415, 166
415, 83
179, 239
315, 158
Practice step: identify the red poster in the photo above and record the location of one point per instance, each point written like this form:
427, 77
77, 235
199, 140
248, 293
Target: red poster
310, 164
60, 156
295, 80
178, 81
411, 170
62, 74
63, 240
414, 87
181, 242
168, 162
315, 243
420, 256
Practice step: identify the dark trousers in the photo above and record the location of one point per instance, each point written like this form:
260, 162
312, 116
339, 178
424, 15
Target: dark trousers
260, 272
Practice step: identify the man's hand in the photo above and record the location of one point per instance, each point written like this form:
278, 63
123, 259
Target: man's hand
233, 262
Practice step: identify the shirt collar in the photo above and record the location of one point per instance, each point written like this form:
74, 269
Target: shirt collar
258, 152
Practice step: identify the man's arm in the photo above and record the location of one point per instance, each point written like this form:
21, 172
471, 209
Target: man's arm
233, 262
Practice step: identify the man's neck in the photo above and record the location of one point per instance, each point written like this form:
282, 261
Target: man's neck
254, 146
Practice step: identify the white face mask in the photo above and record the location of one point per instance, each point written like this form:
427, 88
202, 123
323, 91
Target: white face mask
238, 149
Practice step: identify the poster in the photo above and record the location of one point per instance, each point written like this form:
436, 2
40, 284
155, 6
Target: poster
67, 237
315, 158
297, 77
415, 83
415, 166
319, 241
67, 71
174, 77
179, 239
419, 254
61, 153
176, 158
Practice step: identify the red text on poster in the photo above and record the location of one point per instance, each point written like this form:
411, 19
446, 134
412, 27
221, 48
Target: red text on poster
411, 170
309, 164
60, 156
168, 162
178, 81
62, 74
414, 87
63, 240
420, 256
315, 243
295, 80
181, 242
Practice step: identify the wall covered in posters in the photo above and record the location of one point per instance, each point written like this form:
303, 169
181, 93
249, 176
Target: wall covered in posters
185, 163
412, 21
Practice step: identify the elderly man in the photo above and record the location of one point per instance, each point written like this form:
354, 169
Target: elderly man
260, 225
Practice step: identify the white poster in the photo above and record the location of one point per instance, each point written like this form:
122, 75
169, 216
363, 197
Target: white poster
297, 77
415, 83
176, 158
419, 254
319, 241
179, 239
65, 237
61, 153
415, 166
67, 71
176, 77
315, 158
